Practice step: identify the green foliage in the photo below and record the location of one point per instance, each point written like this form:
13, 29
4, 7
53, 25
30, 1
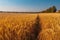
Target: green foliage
50, 10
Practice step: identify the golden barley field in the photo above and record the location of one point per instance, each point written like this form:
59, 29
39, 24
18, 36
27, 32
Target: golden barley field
26, 26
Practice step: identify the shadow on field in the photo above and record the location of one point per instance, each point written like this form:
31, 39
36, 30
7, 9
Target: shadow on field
37, 27
26, 31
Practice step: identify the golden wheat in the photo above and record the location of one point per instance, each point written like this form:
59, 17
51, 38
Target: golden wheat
17, 26
29, 26
50, 24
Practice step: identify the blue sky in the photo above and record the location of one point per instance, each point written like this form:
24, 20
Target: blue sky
27, 5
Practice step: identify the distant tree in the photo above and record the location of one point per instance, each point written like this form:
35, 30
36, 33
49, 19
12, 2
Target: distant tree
50, 10
53, 9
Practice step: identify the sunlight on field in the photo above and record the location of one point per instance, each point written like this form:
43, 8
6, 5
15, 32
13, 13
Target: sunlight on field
25, 26
15, 26
50, 25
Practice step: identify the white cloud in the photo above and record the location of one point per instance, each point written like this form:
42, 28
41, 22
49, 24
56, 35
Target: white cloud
18, 9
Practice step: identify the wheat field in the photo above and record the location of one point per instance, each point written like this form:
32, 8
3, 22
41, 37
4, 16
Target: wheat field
38, 26
50, 25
